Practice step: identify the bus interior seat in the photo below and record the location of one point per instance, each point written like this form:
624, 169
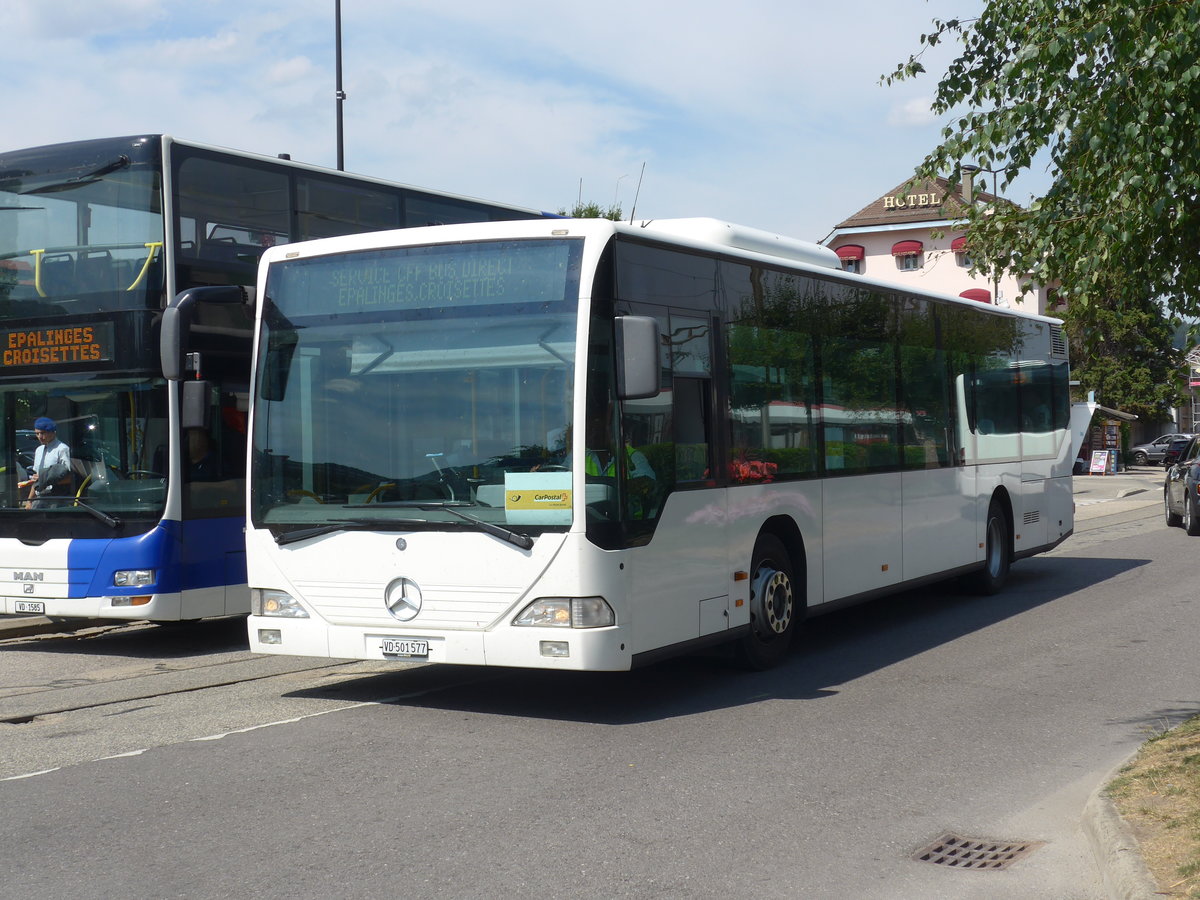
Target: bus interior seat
58, 274
96, 271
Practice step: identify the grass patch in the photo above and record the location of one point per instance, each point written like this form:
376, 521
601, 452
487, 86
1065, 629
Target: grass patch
1158, 795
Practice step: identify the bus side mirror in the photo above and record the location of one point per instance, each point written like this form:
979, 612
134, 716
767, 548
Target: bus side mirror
177, 322
637, 357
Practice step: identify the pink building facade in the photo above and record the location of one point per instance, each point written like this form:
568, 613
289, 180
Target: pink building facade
893, 239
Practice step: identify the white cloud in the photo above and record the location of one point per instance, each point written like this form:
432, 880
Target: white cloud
916, 112
289, 71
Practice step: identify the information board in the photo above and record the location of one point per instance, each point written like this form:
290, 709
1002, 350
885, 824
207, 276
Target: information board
61, 345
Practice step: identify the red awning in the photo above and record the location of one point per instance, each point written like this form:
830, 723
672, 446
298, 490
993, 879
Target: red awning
959, 244
906, 248
977, 294
850, 251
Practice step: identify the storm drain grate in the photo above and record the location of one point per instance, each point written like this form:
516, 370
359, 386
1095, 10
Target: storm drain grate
974, 853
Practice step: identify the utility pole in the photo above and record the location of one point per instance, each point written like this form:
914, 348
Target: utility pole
340, 94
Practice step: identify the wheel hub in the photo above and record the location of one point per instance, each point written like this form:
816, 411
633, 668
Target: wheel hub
771, 601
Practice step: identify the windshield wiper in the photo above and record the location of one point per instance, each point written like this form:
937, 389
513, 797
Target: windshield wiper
110, 521
524, 541
303, 534
95, 175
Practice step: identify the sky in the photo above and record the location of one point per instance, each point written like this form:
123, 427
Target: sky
768, 113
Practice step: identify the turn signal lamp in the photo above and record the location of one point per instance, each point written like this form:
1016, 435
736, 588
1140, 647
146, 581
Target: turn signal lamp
130, 601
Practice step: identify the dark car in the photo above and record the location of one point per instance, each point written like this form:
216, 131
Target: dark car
1181, 502
1175, 450
1152, 452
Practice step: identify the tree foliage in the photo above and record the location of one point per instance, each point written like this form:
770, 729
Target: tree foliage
1124, 353
583, 210
1109, 93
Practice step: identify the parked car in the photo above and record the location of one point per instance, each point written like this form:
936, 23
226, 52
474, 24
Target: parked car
1153, 452
1175, 451
1181, 502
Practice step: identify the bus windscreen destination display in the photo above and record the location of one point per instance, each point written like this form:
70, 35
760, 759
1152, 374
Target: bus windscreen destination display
61, 345
498, 272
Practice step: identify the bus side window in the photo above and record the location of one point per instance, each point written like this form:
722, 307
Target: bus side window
693, 460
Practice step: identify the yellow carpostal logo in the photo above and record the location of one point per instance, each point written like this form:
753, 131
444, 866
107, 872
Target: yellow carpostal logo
532, 499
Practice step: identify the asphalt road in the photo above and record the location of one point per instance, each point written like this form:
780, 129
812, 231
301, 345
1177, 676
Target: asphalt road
143, 761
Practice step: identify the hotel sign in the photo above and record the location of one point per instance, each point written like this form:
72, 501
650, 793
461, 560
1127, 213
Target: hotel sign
907, 201
62, 345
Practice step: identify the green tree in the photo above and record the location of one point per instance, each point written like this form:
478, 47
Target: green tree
1108, 92
583, 210
1123, 351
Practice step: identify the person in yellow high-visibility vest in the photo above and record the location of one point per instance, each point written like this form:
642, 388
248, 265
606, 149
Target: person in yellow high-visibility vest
640, 477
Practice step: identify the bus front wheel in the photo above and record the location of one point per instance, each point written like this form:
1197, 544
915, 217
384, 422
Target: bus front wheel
776, 605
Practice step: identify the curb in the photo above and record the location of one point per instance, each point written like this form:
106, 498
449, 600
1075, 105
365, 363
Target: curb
1118, 857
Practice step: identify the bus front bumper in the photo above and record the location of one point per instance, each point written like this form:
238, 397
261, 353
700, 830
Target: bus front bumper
593, 649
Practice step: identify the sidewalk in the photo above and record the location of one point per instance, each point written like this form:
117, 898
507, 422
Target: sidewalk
1134, 494
1106, 495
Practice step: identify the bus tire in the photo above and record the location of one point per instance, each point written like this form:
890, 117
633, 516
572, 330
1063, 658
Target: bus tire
996, 560
776, 606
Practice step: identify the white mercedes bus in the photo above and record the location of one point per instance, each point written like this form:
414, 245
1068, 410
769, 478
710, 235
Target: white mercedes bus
583, 444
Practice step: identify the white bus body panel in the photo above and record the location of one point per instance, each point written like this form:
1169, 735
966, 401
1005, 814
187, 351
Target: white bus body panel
938, 521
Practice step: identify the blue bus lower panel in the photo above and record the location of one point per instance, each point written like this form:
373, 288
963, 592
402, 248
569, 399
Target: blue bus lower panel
184, 556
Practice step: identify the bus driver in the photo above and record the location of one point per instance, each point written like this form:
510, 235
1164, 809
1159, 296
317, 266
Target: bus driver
51, 464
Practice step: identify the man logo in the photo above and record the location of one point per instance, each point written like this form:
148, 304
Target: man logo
29, 576
28, 588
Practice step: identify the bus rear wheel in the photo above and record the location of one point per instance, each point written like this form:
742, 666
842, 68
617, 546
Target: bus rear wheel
776, 606
990, 579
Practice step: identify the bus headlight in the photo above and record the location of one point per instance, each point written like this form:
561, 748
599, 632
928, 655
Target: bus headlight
568, 612
133, 577
275, 603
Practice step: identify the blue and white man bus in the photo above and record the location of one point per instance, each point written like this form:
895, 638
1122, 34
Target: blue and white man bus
97, 238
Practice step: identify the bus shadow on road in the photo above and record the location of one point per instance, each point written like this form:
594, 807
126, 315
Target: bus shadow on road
831, 651
143, 640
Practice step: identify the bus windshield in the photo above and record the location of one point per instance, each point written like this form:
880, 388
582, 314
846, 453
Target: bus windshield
115, 434
81, 228
416, 383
